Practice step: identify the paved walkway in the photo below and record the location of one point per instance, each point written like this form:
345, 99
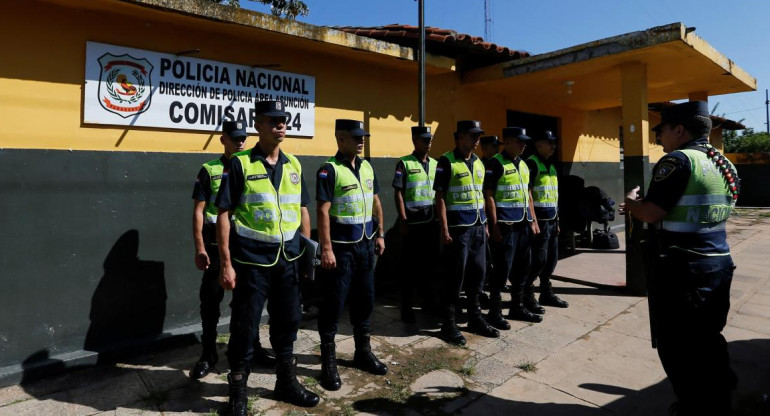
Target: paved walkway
592, 358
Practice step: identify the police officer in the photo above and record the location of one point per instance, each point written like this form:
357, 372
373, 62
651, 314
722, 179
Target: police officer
414, 195
511, 218
350, 233
490, 146
206, 254
460, 210
690, 197
545, 245
266, 195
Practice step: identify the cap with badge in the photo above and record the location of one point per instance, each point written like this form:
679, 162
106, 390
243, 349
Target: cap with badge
489, 140
516, 132
469, 126
355, 127
422, 132
270, 108
678, 113
234, 129
544, 135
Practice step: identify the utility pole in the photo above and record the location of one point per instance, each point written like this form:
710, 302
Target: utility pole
421, 61
767, 111
487, 22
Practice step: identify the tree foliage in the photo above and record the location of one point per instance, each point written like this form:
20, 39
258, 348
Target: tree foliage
289, 9
748, 142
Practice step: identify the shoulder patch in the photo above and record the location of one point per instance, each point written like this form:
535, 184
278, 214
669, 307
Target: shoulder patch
663, 170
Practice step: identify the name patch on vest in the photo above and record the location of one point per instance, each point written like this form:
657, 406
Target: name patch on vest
462, 175
216, 177
509, 171
256, 177
349, 187
414, 170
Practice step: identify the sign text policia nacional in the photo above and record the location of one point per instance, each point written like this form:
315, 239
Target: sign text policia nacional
134, 87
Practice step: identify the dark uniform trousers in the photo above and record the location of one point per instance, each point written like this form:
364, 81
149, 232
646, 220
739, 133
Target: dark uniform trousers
279, 285
354, 276
511, 258
211, 294
420, 250
464, 259
545, 253
690, 299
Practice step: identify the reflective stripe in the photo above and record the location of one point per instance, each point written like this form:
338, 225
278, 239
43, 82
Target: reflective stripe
690, 227
413, 204
510, 187
410, 185
290, 199
545, 204
243, 231
349, 198
357, 220
461, 208
256, 198
211, 219
461, 188
545, 188
510, 204
709, 199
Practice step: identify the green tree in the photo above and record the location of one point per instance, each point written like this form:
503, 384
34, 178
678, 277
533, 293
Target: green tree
289, 9
749, 142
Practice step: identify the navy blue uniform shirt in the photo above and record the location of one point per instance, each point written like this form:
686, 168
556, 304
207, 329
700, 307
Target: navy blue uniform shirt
324, 185
399, 178
202, 192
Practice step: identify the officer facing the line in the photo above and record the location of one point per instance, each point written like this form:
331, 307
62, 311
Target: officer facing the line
545, 246
266, 195
511, 218
206, 253
691, 195
414, 195
350, 232
460, 211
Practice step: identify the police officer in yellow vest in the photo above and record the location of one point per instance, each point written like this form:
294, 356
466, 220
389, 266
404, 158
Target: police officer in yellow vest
690, 197
463, 229
206, 253
545, 245
266, 195
350, 232
511, 218
414, 195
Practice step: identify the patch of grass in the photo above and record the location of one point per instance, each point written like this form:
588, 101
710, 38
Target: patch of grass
18, 401
764, 214
317, 348
295, 412
211, 412
468, 369
251, 403
527, 366
222, 376
223, 339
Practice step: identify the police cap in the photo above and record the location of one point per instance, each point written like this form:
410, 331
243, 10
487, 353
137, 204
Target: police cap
493, 140
422, 132
270, 108
355, 127
544, 135
516, 132
678, 113
469, 126
234, 129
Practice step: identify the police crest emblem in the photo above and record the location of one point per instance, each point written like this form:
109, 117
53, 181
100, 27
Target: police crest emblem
369, 184
294, 178
124, 84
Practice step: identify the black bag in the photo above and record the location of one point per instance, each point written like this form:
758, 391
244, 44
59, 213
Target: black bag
605, 240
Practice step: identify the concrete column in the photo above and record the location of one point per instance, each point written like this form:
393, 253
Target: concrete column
636, 172
699, 96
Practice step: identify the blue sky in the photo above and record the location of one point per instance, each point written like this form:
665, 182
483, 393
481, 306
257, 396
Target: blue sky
735, 28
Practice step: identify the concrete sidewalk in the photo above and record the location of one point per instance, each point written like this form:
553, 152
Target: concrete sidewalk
591, 358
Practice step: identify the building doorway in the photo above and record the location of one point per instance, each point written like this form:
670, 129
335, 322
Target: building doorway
533, 123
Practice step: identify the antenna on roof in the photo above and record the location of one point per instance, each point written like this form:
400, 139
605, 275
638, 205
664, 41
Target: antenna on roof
487, 22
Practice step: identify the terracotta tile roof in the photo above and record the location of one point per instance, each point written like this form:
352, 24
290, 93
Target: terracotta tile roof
717, 121
470, 51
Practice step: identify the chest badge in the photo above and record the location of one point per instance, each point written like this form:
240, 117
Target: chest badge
480, 173
369, 184
294, 178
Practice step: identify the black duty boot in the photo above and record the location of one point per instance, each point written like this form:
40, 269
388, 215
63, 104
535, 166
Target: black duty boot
238, 404
495, 315
449, 331
287, 388
263, 357
204, 366
548, 298
531, 303
364, 359
519, 312
479, 326
330, 378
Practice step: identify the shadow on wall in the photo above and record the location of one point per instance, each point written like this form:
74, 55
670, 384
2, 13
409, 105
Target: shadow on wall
129, 304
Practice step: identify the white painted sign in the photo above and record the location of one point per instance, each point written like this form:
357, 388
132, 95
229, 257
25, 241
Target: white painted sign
134, 87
